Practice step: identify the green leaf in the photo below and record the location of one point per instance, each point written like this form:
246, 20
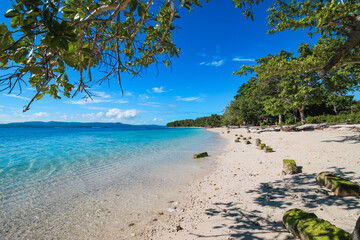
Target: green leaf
32, 13
11, 13
20, 56
5, 39
39, 96
133, 4
35, 70
15, 22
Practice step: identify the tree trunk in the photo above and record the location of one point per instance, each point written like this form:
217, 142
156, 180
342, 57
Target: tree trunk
302, 114
352, 108
294, 115
280, 119
335, 109
352, 41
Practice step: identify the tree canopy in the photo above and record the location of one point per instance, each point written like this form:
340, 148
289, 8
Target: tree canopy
46, 39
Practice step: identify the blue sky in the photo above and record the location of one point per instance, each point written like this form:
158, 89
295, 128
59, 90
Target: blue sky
215, 41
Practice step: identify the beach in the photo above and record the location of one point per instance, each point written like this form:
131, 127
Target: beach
94, 183
246, 194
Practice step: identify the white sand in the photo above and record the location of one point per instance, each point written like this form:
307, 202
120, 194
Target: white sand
246, 195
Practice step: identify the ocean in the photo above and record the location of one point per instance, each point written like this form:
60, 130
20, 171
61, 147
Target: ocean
92, 183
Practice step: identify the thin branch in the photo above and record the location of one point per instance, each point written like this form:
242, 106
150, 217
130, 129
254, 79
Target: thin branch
343, 24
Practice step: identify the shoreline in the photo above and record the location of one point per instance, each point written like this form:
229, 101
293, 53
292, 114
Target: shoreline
102, 194
245, 196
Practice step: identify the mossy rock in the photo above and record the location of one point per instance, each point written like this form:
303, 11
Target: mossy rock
248, 131
249, 137
201, 155
241, 136
248, 142
268, 149
244, 138
338, 185
228, 131
262, 146
235, 135
237, 140
257, 142
289, 167
308, 226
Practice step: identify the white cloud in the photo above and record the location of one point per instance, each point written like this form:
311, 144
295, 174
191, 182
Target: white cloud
17, 96
88, 116
97, 108
84, 101
101, 94
189, 99
121, 101
128, 94
243, 59
100, 114
213, 63
158, 89
41, 114
121, 114
151, 104
157, 119
144, 96
66, 117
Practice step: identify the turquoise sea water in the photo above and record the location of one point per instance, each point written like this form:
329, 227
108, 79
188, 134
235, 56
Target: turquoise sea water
84, 183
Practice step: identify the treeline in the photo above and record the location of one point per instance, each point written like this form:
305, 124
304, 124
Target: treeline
282, 92
214, 120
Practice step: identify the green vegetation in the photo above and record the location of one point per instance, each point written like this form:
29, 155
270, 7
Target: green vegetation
306, 225
268, 149
289, 166
213, 121
237, 140
200, 155
47, 39
340, 186
248, 142
262, 146
335, 119
276, 95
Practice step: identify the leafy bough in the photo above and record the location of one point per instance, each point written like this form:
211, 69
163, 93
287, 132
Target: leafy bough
49, 38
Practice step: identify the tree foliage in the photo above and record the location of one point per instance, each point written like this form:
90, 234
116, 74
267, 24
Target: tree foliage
280, 91
212, 121
338, 20
46, 39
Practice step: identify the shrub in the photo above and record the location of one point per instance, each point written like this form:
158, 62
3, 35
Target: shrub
335, 119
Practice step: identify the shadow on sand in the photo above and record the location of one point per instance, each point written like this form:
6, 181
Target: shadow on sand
283, 194
346, 139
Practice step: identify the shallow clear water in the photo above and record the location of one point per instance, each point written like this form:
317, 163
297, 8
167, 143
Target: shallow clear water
58, 183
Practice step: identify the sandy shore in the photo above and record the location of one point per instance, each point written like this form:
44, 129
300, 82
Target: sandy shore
246, 195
